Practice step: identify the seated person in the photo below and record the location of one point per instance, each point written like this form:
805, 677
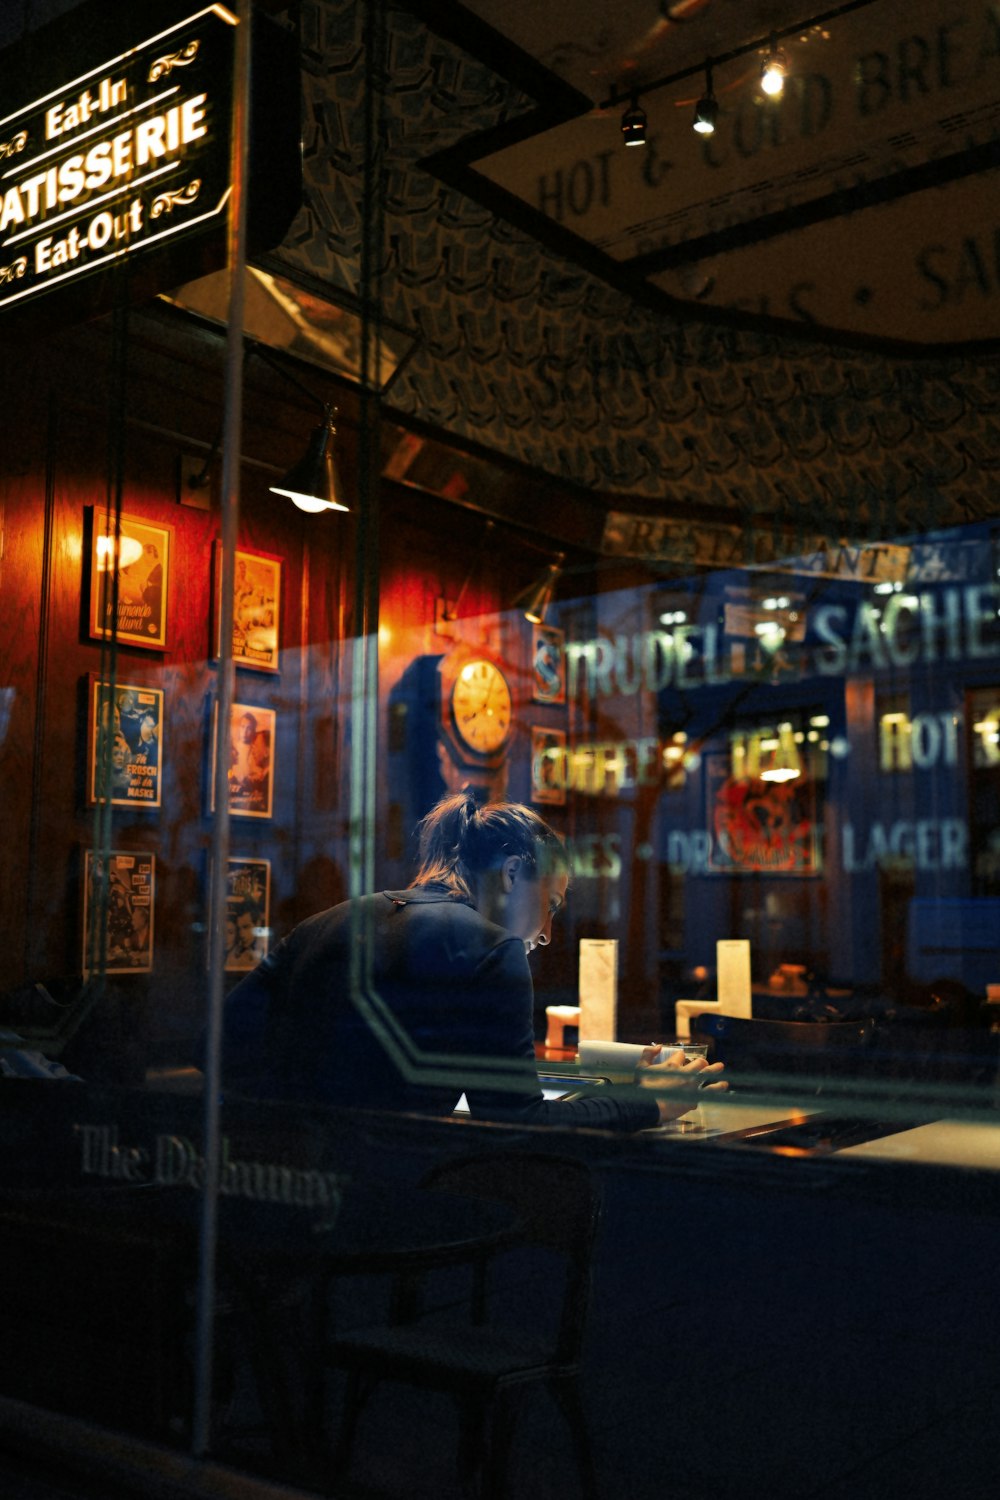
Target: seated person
407, 999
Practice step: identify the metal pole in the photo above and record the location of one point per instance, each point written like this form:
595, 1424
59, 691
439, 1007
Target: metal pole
231, 443
364, 687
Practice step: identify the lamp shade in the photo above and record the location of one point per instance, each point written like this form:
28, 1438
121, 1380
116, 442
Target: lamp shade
785, 763
706, 112
634, 124
534, 601
313, 484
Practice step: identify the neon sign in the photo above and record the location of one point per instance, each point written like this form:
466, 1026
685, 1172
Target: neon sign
124, 158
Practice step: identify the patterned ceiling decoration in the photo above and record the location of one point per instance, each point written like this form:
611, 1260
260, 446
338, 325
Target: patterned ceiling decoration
530, 355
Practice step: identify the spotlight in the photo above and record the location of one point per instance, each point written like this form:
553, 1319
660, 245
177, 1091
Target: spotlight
707, 109
773, 70
634, 124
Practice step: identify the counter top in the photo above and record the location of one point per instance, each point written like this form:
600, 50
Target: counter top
948, 1143
735, 1119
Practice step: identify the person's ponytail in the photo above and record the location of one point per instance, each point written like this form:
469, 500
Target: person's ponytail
461, 838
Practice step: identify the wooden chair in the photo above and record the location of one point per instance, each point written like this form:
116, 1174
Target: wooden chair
487, 1365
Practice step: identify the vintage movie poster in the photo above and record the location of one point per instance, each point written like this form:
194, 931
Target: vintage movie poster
137, 561
118, 894
548, 765
248, 912
759, 826
256, 609
251, 760
125, 760
548, 664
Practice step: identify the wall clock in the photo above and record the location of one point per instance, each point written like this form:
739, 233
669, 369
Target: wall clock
451, 728
481, 706
475, 719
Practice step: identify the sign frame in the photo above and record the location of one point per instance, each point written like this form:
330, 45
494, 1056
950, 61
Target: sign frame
262, 571
115, 154
142, 588
251, 795
132, 877
139, 775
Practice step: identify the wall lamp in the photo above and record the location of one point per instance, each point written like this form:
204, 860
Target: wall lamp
313, 483
535, 600
116, 552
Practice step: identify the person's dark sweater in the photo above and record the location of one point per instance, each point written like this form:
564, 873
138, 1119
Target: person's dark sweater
403, 1000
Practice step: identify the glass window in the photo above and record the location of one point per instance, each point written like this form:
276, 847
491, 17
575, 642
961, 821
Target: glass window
628, 513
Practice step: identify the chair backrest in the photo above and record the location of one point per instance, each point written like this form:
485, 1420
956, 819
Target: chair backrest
557, 1206
797, 1047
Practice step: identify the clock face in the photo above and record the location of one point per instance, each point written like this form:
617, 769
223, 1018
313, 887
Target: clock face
480, 703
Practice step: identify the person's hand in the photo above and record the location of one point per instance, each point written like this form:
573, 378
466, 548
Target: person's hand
677, 1078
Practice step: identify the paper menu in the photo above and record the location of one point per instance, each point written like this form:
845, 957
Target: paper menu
598, 984
732, 958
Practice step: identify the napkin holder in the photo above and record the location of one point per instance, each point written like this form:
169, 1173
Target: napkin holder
734, 994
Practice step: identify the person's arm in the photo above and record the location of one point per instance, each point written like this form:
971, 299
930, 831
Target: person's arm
677, 1079
505, 1034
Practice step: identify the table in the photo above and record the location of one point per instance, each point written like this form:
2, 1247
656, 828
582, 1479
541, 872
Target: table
738, 1119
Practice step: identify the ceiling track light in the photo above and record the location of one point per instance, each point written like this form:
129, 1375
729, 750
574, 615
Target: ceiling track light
706, 111
634, 123
773, 70
756, 46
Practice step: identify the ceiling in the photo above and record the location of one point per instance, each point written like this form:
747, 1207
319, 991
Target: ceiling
792, 329
846, 204
539, 345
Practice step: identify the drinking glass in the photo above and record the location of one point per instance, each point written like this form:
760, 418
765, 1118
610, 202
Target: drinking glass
693, 1123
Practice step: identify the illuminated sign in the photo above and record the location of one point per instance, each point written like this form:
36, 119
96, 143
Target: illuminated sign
714, 545
121, 158
901, 630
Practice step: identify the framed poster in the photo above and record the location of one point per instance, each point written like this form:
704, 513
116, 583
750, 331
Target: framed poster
251, 760
125, 744
548, 664
757, 826
140, 558
127, 907
256, 609
548, 765
248, 912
